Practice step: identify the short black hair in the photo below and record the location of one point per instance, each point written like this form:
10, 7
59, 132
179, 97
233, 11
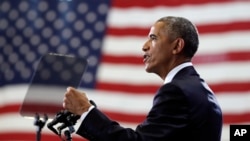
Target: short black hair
179, 27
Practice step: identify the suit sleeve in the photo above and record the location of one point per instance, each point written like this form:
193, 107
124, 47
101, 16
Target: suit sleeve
165, 121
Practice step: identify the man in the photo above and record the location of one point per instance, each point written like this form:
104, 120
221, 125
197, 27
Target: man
184, 107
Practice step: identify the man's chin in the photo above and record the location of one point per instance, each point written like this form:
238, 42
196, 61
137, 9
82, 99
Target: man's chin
148, 69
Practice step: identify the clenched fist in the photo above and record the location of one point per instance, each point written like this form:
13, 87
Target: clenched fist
75, 101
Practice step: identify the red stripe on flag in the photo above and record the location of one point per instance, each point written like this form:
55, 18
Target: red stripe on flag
9, 108
225, 27
128, 88
236, 118
128, 31
231, 87
28, 136
223, 57
123, 59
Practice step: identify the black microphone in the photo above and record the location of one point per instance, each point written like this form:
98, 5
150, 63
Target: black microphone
66, 118
93, 103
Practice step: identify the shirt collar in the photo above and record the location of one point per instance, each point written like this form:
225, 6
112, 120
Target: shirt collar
175, 70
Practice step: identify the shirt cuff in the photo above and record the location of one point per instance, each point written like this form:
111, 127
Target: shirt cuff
83, 116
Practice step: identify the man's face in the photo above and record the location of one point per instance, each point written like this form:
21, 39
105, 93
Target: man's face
158, 50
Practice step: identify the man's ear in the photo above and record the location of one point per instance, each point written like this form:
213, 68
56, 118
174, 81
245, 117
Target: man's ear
179, 45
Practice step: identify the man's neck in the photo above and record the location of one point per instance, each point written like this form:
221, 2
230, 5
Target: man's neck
175, 70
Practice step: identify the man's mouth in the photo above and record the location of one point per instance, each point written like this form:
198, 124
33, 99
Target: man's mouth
145, 58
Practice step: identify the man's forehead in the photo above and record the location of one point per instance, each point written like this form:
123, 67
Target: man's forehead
157, 28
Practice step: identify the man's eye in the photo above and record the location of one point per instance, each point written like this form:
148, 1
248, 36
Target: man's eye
152, 37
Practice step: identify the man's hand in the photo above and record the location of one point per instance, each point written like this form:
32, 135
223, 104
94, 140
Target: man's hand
75, 101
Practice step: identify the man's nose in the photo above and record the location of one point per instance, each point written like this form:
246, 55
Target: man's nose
145, 47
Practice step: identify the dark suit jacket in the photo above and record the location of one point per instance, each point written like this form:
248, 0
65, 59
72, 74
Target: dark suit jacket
182, 110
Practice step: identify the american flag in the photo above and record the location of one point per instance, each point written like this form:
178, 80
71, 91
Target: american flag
110, 34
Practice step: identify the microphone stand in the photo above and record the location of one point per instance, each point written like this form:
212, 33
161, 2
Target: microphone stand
40, 124
68, 135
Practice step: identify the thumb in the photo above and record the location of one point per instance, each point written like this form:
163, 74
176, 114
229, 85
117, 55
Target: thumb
71, 89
